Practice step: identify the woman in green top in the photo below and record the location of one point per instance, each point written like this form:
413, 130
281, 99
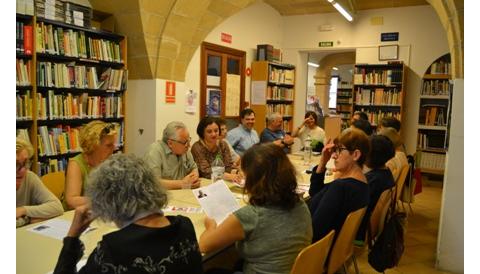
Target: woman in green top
97, 140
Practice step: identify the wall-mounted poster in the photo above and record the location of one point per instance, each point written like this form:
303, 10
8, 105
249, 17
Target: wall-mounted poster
214, 102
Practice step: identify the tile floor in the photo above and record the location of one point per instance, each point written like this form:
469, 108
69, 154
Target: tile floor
421, 235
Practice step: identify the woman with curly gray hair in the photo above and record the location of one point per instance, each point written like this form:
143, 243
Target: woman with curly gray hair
123, 190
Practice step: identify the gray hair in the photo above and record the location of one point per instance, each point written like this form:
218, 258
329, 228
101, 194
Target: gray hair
170, 131
122, 187
273, 116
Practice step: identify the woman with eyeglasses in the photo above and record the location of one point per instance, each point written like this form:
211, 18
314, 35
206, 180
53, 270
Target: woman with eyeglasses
331, 203
97, 140
209, 146
34, 201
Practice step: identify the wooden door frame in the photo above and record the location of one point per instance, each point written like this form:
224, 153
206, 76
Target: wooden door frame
224, 52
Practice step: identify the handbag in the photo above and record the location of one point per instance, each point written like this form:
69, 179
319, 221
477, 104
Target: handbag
389, 245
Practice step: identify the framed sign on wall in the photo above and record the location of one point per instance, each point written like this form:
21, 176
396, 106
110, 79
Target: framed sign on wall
389, 52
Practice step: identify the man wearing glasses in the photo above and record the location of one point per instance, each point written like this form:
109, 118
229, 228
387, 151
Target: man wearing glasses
171, 160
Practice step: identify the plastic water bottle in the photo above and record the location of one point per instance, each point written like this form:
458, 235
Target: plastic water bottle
218, 168
307, 150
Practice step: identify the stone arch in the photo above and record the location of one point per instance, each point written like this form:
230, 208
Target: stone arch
323, 74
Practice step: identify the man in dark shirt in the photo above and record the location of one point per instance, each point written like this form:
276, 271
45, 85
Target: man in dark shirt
274, 132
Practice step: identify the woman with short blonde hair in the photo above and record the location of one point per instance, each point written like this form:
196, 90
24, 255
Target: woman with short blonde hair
97, 140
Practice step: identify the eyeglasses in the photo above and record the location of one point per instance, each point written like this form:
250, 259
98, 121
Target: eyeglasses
27, 164
183, 142
339, 149
106, 130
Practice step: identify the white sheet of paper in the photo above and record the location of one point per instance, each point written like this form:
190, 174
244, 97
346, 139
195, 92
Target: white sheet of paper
258, 90
216, 200
55, 228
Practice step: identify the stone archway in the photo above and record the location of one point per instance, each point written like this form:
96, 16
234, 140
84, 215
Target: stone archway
323, 74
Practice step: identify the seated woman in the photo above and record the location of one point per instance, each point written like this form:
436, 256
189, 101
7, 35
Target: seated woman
379, 177
399, 160
97, 140
273, 211
123, 190
222, 136
34, 201
331, 203
209, 146
309, 127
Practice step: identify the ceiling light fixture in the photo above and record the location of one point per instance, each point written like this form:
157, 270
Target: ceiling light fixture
334, 68
341, 10
313, 64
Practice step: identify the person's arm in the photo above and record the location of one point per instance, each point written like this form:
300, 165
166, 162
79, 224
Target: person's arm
216, 237
297, 131
324, 208
73, 186
318, 175
44, 204
199, 156
191, 179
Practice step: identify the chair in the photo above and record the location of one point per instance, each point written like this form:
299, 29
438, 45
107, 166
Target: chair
55, 182
400, 182
377, 218
342, 249
311, 260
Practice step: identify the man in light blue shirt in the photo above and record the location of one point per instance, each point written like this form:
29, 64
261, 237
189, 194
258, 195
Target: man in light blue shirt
244, 136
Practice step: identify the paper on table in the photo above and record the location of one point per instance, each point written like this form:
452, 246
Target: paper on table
80, 264
216, 200
56, 228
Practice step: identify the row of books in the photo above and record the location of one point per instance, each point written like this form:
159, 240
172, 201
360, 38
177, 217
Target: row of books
344, 100
286, 125
23, 133
68, 42
24, 38
432, 115
374, 117
431, 140
344, 108
51, 165
50, 9
436, 87
25, 7
377, 77
283, 109
23, 72
344, 93
63, 75
24, 106
431, 160
279, 93
440, 67
379, 96
64, 139
344, 84
61, 106
281, 76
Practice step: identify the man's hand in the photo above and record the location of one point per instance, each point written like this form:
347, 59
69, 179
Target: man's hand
192, 179
21, 211
288, 140
82, 219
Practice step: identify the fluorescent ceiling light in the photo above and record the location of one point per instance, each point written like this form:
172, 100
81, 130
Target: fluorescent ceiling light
313, 64
343, 11
330, 1
334, 68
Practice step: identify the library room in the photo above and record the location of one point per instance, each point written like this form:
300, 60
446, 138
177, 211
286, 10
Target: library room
255, 136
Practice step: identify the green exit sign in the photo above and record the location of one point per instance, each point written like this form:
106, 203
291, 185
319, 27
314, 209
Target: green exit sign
325, 44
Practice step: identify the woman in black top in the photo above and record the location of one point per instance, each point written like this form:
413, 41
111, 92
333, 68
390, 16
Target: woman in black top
123, 190
331, 203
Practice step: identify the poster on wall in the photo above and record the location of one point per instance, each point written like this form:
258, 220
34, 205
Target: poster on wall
258, 96
190, 101
170, 92
214, 100
232, 101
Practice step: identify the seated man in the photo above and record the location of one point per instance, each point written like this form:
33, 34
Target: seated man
244, 136
274, 132
34, 201
171, 160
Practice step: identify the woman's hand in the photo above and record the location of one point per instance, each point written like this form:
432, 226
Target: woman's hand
82, 219
326, 155
209, 223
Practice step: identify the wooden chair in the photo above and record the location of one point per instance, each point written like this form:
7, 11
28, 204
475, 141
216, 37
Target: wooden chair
311, 260
377, 218
401, 182
342, 250
55, 182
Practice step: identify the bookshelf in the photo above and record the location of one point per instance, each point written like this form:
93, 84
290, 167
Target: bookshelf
379, 90
276, 82
345, 103
434, 116
77, 75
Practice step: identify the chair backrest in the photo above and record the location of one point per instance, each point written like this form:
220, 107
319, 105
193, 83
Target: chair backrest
379, 212
55, 182
401, 181
342, 249
311, 260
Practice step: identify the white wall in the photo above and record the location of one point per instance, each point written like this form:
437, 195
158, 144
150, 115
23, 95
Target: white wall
421, 39
450, 236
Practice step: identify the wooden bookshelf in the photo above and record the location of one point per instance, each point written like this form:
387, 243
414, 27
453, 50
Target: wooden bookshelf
278, 81
434, 116
379, 90
88, 83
